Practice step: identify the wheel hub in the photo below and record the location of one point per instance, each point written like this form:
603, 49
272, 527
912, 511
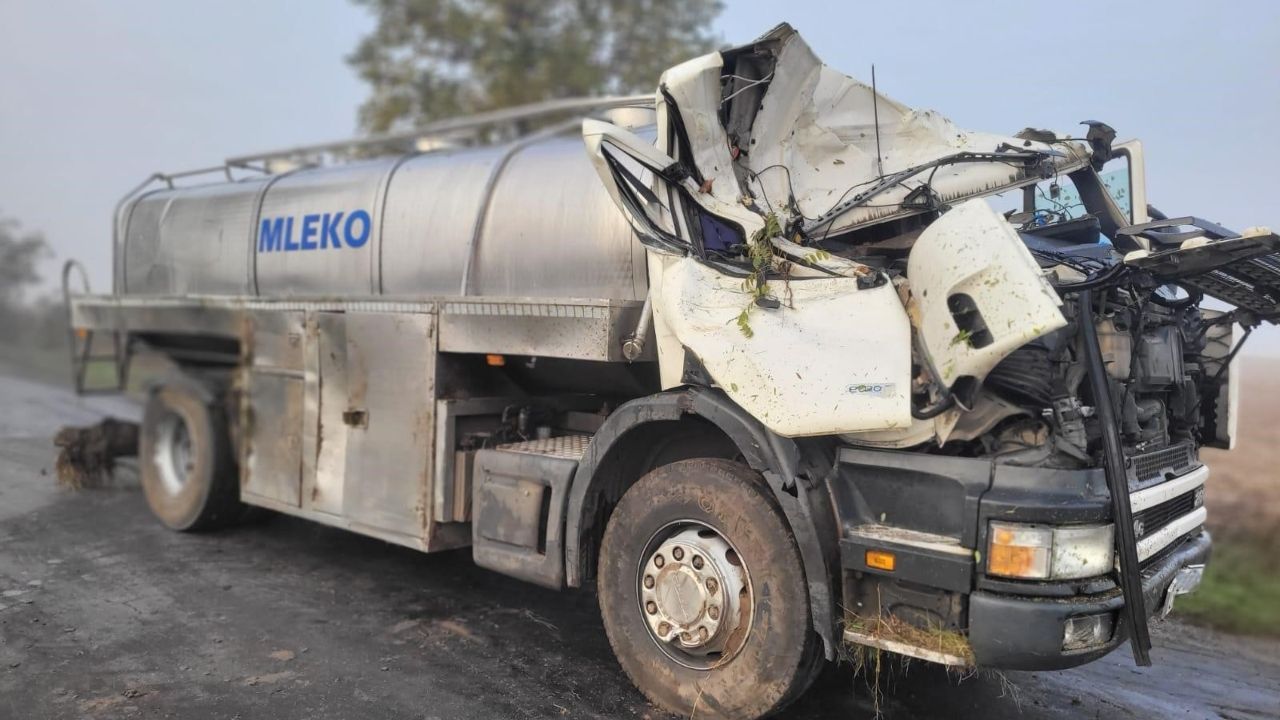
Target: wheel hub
173, 453
695, 594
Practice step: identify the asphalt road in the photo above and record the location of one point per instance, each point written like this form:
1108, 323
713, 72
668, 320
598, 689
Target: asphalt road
105, 614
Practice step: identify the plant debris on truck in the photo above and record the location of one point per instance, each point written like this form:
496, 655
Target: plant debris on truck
776, 365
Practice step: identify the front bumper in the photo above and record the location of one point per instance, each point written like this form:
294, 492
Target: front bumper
1013, 632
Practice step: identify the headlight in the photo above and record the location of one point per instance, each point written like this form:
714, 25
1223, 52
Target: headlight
1045, 552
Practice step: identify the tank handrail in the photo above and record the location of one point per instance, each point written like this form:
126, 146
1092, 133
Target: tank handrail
116, 250
452, 125
224, 168
167, 179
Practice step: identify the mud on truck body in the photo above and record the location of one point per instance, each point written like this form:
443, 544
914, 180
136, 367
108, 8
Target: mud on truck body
764, 366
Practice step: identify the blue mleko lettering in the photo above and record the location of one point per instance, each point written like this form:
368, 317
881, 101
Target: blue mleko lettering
269, 234
317, 231
329, 230
309, 230
366, 227
289, 242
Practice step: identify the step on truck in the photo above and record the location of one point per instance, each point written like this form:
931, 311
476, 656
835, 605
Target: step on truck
778, 366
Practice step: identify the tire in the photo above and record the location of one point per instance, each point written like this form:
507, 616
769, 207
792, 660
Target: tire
769, 653
196, 488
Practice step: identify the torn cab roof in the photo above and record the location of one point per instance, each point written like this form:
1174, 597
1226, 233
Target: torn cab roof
769, 126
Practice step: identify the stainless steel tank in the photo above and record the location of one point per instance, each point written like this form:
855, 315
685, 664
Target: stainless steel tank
528, 219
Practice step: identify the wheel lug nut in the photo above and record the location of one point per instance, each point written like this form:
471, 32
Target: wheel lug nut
678, 553
712, 585
648, 581
713, 612
686, 637
703, 634
697, 562
651, 607
659, 560
664, 628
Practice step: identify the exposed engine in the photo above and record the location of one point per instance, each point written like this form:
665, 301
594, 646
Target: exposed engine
1035, 407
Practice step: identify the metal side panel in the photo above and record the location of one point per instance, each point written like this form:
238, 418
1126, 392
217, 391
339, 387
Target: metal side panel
272, 466
327, 353
275, 339
575, 329
388, 419
578, 330
518, 511
106, 312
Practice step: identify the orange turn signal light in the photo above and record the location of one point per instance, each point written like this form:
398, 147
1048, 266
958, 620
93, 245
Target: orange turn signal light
881, 560
1014, 561
1019, 551
495, 360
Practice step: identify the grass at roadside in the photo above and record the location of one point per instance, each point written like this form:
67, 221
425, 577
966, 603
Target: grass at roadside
1241, 588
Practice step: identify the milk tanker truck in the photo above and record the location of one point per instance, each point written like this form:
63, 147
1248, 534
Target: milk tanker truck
765, 364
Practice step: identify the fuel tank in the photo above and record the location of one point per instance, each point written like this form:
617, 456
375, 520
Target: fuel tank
527, 219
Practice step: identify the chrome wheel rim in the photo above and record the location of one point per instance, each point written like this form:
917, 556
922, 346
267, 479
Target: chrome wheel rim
173, 458
695, 594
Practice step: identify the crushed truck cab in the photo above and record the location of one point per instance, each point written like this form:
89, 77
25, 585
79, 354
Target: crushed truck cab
775, 364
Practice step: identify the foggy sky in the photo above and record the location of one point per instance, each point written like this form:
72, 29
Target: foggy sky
95, 96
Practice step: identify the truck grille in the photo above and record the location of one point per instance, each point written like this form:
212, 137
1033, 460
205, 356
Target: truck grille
1152, 465
1157, 516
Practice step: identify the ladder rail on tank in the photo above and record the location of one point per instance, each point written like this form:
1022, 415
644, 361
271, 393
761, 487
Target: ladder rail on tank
80, 343
494, 126
504, 125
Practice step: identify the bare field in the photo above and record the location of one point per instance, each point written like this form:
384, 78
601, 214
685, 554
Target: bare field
1244, 488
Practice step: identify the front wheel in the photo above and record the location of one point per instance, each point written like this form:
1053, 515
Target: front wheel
703, 595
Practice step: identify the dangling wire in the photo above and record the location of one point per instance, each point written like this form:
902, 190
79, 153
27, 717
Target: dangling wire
744, 88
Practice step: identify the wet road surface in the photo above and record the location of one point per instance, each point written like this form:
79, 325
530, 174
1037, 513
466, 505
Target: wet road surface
105, 614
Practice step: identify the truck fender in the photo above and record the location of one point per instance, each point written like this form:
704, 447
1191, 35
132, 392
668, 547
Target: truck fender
797, 485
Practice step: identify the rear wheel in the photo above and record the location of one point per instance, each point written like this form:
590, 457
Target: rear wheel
702, 593
185, 459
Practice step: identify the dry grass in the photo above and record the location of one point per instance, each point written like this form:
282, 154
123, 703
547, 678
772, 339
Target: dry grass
937, 639
876, 666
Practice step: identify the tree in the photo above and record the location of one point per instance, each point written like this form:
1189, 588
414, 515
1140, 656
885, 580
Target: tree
20, 253
429, 59
25, 323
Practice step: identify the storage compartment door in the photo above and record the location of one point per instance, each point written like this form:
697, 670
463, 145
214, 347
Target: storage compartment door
388, 421
272, 411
